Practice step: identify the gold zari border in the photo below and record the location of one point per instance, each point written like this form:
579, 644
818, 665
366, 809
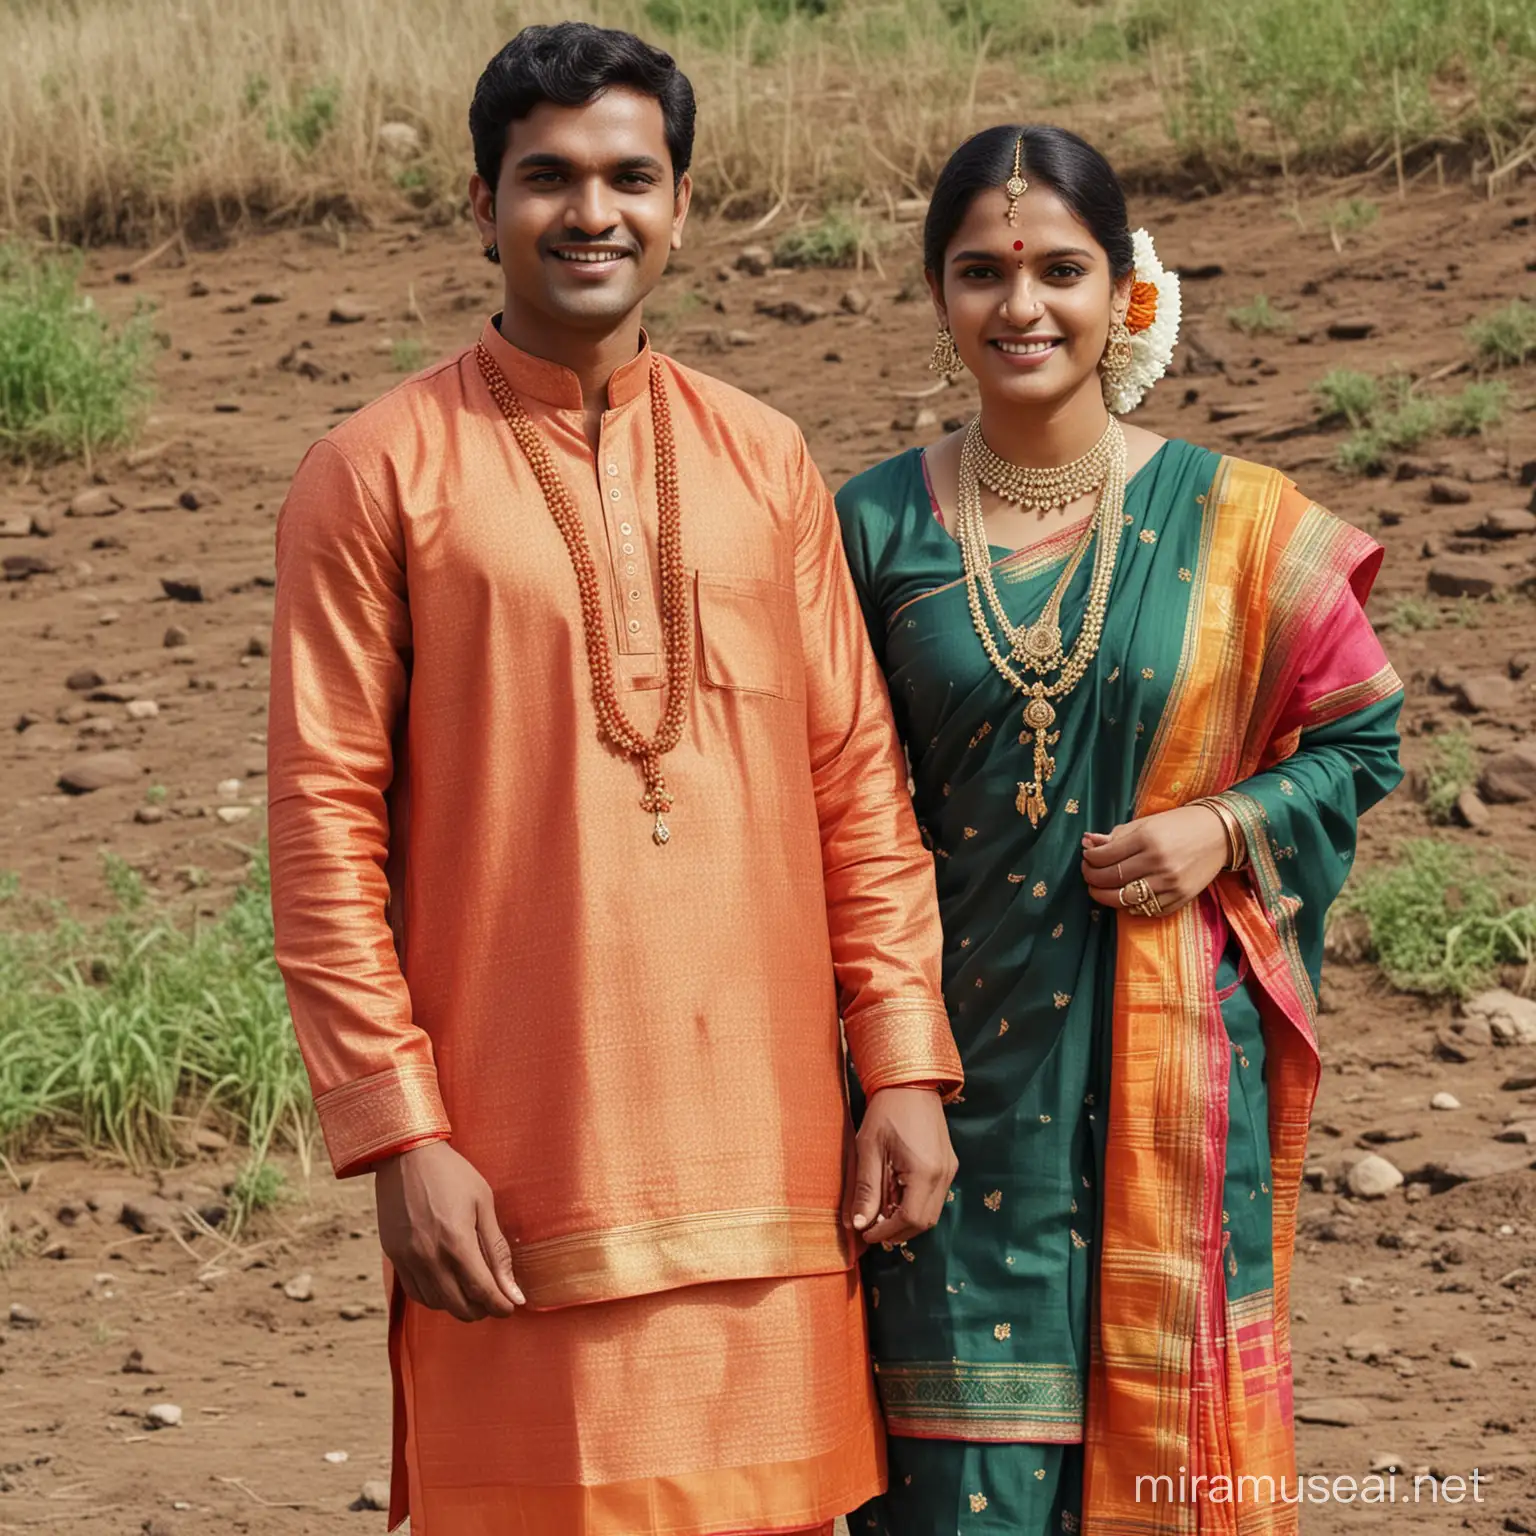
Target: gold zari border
674, 1251
380, 1113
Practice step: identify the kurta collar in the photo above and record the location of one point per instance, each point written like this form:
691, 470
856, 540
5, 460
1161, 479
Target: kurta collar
549, 382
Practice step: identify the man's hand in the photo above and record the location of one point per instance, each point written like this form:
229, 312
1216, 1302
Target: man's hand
903, 1166
1178, 853
438, 1227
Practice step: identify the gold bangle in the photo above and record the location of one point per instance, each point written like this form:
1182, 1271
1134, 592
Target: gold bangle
1237, 846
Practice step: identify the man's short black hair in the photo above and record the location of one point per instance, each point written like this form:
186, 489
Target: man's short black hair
568, 65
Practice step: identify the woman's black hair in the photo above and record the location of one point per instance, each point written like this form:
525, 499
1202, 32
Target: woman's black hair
1071, 167
568, 65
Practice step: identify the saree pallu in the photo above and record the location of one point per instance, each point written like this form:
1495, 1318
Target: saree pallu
1105, 1297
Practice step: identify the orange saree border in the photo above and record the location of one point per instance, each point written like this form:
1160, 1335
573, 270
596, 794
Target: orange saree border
1178, 1383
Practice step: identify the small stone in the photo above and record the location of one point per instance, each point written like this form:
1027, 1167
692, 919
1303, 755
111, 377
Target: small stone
23, 1316
1510, 777
23, 567
142, 709
1493, 695
1510, 1017
336, 1458
1339, 1412
855, 302
400, 141
1372, 1178
1445, 1101
229, 788
146, 1213
197, 496
353, 1312
742, 338
268, 296
232, 814
140, 1362
348, 311
1508, 523
176, 636
374, 1495
98, 770
183, 589
1521, 1132
1463, 1361
793, 311
300, 1288
1466, 576
1476, 1163
83, 679
149, 815
755, 260
1447, 493
1470, 810
258, 645
43, 525
16, 526
1383, 1463
99, 501
1358, 329
1370, 1348
163, 1416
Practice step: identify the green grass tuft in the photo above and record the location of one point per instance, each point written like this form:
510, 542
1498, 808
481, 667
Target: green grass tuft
837, 239
1259, 317
69, 384
1388, 417
408, 355
1505, 338
1452, 768
114, 1034
1442, 921
1410, 614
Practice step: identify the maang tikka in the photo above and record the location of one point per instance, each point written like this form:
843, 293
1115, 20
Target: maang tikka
1016, 185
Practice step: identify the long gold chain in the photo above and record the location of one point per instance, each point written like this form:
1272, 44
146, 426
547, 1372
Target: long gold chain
1040, 643
676, 610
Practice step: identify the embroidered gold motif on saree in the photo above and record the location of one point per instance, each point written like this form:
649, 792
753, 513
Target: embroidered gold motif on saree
1058, 930
981, 735
1040, 1474
978, 1503
970, 832
1002, 1027
1063, 999
1185, 574
993, 1201
1147, 536
1147, 674
1016, 879
1002, 1331
1072, 807
1077, 1241
1114, 677
1045, 1119
1039, 890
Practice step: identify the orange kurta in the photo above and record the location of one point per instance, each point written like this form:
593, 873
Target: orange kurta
638, 1047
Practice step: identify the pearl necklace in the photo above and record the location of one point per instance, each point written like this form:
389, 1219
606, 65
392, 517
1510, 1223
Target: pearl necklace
1038, 647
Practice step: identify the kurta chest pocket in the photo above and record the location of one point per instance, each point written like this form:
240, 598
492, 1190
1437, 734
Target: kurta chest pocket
750, 633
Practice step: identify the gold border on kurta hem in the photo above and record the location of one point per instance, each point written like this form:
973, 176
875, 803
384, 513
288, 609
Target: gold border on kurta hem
661, 1255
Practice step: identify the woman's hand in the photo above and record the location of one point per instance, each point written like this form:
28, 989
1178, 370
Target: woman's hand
1178, 853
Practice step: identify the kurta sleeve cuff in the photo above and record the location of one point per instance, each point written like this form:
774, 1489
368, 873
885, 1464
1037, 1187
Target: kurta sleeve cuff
377, 1116
903, 1043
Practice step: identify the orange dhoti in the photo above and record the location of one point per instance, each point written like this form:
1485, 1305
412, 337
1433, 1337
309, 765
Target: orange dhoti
713, 1410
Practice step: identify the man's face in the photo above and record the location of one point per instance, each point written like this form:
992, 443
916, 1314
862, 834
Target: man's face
584, 213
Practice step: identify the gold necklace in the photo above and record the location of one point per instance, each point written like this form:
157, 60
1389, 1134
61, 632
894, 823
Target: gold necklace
1043, 490
1040, 643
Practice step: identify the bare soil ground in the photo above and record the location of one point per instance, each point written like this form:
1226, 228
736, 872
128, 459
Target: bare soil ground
1416, 1309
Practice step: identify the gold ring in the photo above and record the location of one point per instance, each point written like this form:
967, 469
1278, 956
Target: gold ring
1137, 894
1119, 872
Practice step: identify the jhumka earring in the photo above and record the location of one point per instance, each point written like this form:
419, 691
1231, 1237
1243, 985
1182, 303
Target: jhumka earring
1016, 185
491, 253
1115, 366
946, 357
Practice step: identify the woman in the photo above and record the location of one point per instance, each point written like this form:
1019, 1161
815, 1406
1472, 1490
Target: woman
1144, 710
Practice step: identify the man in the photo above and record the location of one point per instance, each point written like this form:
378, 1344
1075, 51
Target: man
587, 821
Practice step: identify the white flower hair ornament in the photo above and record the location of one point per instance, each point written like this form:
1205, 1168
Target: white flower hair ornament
1153, 322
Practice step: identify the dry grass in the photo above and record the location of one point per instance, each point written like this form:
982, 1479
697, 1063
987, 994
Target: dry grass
122, 117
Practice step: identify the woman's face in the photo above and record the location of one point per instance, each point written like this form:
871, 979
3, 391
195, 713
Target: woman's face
1029, 303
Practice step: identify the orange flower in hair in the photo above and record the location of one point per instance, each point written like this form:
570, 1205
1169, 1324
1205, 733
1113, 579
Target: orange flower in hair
1143, 310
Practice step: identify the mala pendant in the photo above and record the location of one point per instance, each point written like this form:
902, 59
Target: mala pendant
661, 834
1039, 716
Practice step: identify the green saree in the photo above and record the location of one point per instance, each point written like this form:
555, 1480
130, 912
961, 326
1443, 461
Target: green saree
983, 1330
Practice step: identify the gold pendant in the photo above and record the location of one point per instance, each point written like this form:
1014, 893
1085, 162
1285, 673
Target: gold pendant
661, 834
1030, 802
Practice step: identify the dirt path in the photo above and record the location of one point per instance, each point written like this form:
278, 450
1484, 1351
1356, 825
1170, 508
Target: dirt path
1415, 1309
